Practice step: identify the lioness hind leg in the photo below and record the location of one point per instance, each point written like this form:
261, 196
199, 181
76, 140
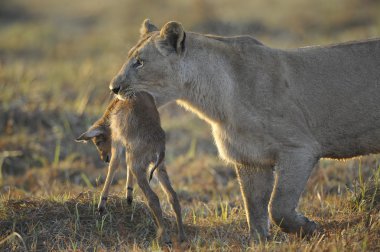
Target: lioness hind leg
292, 173
256, 186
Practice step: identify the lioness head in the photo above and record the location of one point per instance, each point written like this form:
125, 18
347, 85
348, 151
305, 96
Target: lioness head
153, 64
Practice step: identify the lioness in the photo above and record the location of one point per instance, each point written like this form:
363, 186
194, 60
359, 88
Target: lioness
274, 113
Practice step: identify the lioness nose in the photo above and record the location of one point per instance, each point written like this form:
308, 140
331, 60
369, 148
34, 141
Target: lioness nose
116, 90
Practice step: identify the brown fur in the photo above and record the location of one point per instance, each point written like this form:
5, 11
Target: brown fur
133, 126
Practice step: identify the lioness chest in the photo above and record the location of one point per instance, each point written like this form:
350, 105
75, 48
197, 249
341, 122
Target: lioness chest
241, 147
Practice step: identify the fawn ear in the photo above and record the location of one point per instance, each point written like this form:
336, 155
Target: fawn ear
172, 38
147, 27
92, 132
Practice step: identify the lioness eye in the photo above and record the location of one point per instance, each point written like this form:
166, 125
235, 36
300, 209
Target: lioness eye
138, 64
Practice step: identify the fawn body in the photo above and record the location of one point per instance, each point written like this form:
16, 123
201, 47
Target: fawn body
133, 127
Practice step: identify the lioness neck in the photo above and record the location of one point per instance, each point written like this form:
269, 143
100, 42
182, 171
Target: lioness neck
208, 79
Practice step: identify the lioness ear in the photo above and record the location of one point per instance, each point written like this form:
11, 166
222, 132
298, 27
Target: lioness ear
173, 38
89, 134
147, 27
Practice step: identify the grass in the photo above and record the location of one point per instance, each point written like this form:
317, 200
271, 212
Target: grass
66, 222
56, 60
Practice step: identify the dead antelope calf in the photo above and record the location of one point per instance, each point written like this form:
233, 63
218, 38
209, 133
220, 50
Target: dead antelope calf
133, 127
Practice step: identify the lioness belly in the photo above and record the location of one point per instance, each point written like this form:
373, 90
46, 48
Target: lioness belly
368, 142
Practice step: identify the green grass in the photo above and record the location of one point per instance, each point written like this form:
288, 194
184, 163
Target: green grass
56, 59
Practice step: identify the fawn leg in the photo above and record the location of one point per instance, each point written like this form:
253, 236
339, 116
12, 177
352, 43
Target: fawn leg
129, 186
139, 171
173, 199
112, 167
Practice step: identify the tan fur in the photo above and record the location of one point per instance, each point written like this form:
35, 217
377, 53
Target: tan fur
135, 128
269, 109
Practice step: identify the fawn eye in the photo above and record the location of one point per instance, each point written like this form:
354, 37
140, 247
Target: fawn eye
138, 63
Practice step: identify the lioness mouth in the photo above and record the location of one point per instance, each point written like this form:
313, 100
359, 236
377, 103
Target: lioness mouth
126, 94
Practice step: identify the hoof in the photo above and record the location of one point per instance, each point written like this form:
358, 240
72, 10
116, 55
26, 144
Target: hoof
182, 238
167, 244
129, 200
101, 210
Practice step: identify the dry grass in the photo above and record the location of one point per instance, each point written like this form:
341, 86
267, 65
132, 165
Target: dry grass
65, 222
56, 59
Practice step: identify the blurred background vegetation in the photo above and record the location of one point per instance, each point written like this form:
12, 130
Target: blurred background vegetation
57, 57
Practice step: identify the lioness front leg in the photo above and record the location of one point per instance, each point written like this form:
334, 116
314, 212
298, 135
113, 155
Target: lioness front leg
292, 172
256, 186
